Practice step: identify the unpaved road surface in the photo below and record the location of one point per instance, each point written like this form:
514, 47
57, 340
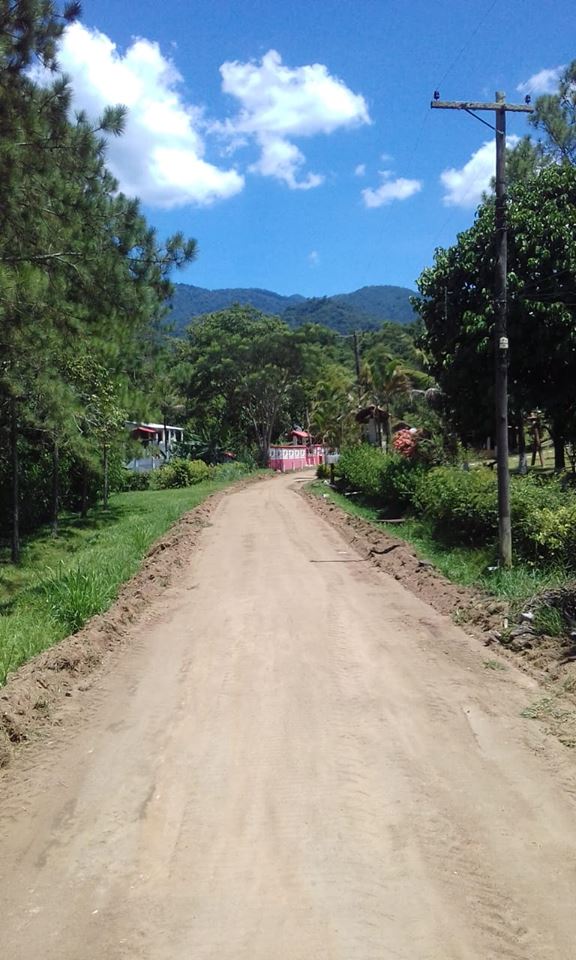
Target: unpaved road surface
295, 759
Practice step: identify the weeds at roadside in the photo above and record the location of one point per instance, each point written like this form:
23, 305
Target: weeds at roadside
546, 708
549, 621
560, 720
494, 665
72, 596
63, 582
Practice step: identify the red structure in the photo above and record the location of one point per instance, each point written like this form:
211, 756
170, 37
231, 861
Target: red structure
297, 455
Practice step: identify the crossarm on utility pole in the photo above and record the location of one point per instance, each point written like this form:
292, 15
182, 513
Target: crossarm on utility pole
473, 105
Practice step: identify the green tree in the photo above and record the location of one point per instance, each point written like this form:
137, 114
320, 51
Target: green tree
78, 262
334, 405
554, 118
241, 367
385, 381
456, 305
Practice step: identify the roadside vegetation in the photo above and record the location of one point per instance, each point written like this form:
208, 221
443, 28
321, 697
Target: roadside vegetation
465, 563
62, 582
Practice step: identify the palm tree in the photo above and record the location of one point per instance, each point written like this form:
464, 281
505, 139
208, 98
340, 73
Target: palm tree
386, 380
334, 405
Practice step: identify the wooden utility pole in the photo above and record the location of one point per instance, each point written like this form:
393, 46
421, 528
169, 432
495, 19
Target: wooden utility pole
500, 108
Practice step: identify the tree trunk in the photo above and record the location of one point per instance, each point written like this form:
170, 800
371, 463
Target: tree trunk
106, 476
84, 494
522, 458
55, 506
559, 442
388, 429
265, 442
15, 482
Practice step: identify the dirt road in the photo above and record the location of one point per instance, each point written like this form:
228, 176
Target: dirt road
294, 760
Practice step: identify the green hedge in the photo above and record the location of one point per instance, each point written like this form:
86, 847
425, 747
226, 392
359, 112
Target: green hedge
462, 506
390, 480
135, 481
361, 469
181, 473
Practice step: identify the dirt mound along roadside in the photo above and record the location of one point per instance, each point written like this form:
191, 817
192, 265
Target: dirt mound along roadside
29, 699
476, 612
397, 558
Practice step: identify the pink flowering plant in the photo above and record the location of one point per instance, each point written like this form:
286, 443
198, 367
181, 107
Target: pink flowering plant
405, 442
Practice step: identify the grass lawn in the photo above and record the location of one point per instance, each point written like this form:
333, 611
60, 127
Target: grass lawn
64, 581
464, 565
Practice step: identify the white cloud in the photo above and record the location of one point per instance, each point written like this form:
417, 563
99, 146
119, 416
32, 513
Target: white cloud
313, 258
546, 81
280, 103
283, 160
465, 187
160, 157
390, 190
360, 170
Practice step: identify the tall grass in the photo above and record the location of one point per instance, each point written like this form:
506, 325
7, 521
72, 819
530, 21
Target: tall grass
63, 582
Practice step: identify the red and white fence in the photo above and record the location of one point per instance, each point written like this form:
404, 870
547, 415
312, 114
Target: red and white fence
287, 457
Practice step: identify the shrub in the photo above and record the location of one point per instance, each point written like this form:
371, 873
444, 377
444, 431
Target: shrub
462, 505
135, 481
116, 471
400, 480
389, 479
233, 470
405, 443
181, 473
543, 515
361, 468
463, 508
323, 471
198, 471
549, 533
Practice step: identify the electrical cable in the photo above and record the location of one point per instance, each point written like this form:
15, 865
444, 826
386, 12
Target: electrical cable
426, 115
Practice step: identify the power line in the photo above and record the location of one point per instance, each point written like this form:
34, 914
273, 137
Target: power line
425, 118
467, 43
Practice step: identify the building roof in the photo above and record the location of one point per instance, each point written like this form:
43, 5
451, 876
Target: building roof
371, 413
138, 424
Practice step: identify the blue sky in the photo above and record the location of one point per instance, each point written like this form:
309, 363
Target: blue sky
295, 141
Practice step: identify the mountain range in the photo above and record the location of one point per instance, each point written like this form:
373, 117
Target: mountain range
364, 309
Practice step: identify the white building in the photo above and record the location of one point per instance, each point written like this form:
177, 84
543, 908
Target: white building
158, 442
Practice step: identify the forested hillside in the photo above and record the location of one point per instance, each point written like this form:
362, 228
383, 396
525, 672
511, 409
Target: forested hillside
364, 309
384, 302
189, 301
